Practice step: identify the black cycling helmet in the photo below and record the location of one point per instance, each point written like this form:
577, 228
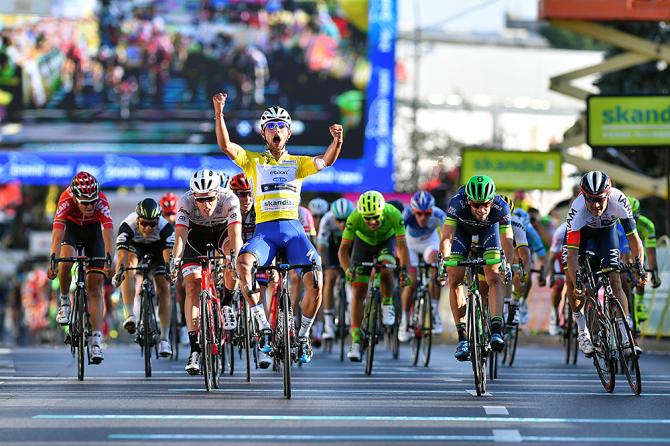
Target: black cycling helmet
148, 209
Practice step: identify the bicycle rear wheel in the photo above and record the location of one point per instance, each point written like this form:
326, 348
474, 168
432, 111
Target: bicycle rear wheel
627, 356
286, 325
205, 341
427, 332
599, 327
374, 310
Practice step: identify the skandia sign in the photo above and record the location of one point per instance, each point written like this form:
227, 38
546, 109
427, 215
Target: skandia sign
621, 121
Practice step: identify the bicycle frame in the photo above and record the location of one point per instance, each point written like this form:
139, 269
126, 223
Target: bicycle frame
281, 318
79, 328
371, 323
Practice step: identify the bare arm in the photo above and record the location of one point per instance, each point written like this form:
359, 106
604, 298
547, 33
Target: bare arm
343, 254
235, 234
333, 150
180, 233
403, 252
448, 232
222, 137
56, 239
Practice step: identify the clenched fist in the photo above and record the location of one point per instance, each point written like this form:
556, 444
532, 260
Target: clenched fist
219, 101
337, 131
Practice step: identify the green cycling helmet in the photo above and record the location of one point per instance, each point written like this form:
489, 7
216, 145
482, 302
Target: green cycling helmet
634, 205
371, 204
480, 188
148, 209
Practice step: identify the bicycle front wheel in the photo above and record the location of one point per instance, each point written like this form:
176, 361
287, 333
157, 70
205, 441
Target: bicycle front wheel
427, 332
374, 309
246, 337
205, 340
79, 334
341, 317
599, 327
146, 333
417, 335
287, 329
474, 339
626, 347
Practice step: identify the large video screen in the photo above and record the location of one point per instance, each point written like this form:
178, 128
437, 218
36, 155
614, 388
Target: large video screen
324, 61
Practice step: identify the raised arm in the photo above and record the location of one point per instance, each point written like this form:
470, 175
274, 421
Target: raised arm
222, 137
333, 150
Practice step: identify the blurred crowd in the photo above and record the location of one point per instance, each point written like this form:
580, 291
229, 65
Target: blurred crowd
293, 53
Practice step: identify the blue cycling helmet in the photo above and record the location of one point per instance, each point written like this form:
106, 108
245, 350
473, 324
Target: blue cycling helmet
422, 201
523, 215
342, 208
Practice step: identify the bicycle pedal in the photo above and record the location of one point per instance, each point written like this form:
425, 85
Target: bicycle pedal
68, 339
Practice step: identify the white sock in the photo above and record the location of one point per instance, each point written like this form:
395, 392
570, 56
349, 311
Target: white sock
622, 330
165, 332
65, 298
129, 309
328, 317
259, 313
95, 338
436, 305
305, 326
581, 321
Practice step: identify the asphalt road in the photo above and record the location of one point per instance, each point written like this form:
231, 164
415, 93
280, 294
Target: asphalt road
539, 401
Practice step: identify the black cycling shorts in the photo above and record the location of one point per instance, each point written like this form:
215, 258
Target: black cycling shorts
90, 237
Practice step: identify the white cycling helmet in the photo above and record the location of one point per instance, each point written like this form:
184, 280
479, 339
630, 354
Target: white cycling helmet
275, 113
205, 181
318, 207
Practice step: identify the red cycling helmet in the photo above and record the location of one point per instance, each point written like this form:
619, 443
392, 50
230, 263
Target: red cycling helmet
85, 187
239, 182
169, 203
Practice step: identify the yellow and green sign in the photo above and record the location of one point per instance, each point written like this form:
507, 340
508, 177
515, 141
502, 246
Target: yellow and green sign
621, 121
512, 169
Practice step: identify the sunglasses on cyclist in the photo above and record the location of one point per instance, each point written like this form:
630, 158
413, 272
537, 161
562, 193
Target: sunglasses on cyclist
205, 199
88, 203
372, 217
341, 220
600, 199
478, 205
276, 125
423, 213
148, 223
243, 194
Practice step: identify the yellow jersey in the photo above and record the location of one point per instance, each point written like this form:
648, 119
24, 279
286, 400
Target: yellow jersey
276, 184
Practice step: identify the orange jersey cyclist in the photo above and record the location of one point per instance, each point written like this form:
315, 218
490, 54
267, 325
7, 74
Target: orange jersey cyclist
276, 178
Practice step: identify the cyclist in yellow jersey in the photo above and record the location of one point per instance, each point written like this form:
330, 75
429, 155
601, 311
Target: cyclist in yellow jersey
276, 178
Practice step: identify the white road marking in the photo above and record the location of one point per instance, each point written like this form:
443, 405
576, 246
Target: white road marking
496, 410
507, 436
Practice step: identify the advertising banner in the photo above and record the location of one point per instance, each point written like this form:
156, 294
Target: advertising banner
624, 121
512, 170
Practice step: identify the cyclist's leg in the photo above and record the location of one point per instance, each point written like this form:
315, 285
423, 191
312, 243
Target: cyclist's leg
164, 300
299, 250
328, 302
491, 245
407, 293
431, 256
360, 252
95, 280
128, 294
64, 272
385, 255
